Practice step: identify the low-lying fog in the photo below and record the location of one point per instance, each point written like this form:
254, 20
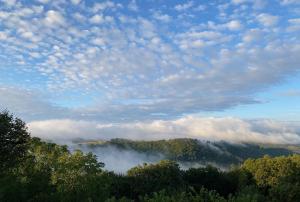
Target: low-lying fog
121, 160
118, 160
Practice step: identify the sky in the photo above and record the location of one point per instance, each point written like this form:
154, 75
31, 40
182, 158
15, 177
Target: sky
152, 69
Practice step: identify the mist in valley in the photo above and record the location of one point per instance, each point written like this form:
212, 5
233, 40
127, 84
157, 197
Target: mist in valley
120, 160
116, 159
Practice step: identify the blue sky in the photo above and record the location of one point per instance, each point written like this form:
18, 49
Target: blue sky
150, 62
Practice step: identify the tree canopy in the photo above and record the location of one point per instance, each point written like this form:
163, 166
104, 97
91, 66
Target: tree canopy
14, 140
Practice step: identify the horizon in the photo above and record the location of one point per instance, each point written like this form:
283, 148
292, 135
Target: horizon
212, 70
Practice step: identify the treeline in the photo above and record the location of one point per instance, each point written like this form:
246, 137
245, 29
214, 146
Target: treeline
33, 170
192, 150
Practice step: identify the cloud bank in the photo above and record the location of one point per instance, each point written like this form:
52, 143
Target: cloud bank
215, 129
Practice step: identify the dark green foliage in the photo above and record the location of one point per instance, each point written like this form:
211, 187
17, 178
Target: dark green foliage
155, 177
210, 178
203, 195
13, 140
49, 172
248, 194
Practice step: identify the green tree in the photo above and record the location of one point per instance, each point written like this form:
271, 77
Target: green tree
151, 178
14, 140
203, 195
278, 177
76, 175
268, 171
210, 178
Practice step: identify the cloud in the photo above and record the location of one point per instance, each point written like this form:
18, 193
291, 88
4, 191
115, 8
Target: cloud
79, 17
185, 6
289, 2
131, 66
64, 129
133, 6
75, 2
54, 18
234, 25
96, 19
239, 1
257, 4
162, 17
10, 2
267, 19
291, 93
27, 104
294, 25
3, 36
253, 35
104, 6
43, 1
204, 128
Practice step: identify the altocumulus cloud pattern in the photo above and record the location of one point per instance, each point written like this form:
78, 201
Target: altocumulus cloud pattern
144, 65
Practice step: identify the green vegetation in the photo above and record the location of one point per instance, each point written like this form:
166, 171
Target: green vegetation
33, 170
191, 150
14, 140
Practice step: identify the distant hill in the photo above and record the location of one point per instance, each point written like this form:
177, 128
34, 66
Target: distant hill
187, 150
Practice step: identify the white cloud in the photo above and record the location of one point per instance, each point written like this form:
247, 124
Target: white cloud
185, 6
27, 104
43, 1
234, 25
75, 2
133, 6
267, 19
98, 41
97, 19
3, 36
253, 35
294, 25
200, 39
64, 129
10, 2
288, 2
105, 5
200, 8
79, 17
260, 4
294, 21
54, 18
239, 1
162, 17
257, 4
214, 129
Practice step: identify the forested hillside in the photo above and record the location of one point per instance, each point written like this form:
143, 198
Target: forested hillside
194, 151
33, 170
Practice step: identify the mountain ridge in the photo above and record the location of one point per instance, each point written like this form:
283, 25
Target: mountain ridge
188, 150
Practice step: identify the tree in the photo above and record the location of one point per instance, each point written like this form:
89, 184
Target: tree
268, 172
14, 140
202, 195
151, 178
76, 176
212, 179
279, 177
